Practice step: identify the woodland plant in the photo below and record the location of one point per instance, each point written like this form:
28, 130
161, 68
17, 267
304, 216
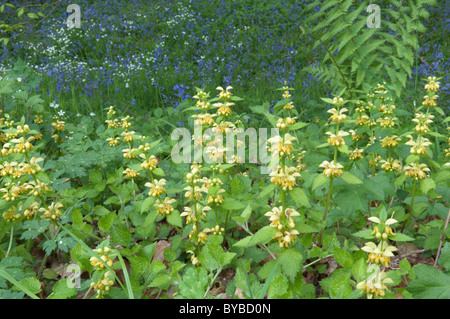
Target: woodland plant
126, 210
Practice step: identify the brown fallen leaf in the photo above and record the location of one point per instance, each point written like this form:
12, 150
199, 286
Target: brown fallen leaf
159, 250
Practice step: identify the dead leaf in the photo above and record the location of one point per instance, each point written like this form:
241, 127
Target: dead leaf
159, 250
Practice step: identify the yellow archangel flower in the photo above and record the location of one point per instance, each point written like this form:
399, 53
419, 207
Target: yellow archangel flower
164, 207
375, 284
224, 108
224, 94
280, 146
432, 85
356, 154
332, 169
393, 165
418, 147
285, 179
337, 116
157, 187
416, 171
422, 121
379, 254
390, 141
337, 139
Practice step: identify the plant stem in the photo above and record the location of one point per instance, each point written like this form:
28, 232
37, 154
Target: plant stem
10, 240
326, 210
412, 201
442, 239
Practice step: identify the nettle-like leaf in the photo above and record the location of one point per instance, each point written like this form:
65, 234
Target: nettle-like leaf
430, 283
291, 262
194, 283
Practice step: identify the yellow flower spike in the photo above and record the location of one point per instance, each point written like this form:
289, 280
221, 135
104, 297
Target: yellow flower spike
337, 139
157, 187
331, 169
164, 207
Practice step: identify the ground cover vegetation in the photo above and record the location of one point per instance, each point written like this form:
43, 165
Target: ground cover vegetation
93, 203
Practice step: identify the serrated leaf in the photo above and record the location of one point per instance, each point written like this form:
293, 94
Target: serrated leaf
350, 178
444, 258
300, 197
359, 269
291, 262
343, 258
174, 218
430, 283
106, 222
61, 290
31, 283
232, 204
194, 283
120, 235
401, 237
427, 184
318, 181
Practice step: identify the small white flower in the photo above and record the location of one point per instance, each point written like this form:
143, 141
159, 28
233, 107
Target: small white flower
92, 114
61, 113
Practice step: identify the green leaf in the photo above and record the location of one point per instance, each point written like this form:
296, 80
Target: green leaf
300, 197
263, 236
95, 176
31, 283
268, 189
120, 235
246, 213
350, 178
169, 254
366, 234
174, 218
147, 203
209, 256
359, 269
194, 283
343, 258
291, 262
226, 258
61, 290
427, 184
318, 181
21, 287
162, 281
105, 223
429, 283
278, 287
232, 204
237, 187
401, 237
444, 258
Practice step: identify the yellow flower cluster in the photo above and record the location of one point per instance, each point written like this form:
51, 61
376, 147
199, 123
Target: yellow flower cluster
51, 212
376, 284
285, 177
103, 284
379, 256
332, 169
21, 175
197, 186
284, 224
106, 256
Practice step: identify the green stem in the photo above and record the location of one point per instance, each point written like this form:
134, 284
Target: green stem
10, 240
412, 201
42, 266
326, 209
